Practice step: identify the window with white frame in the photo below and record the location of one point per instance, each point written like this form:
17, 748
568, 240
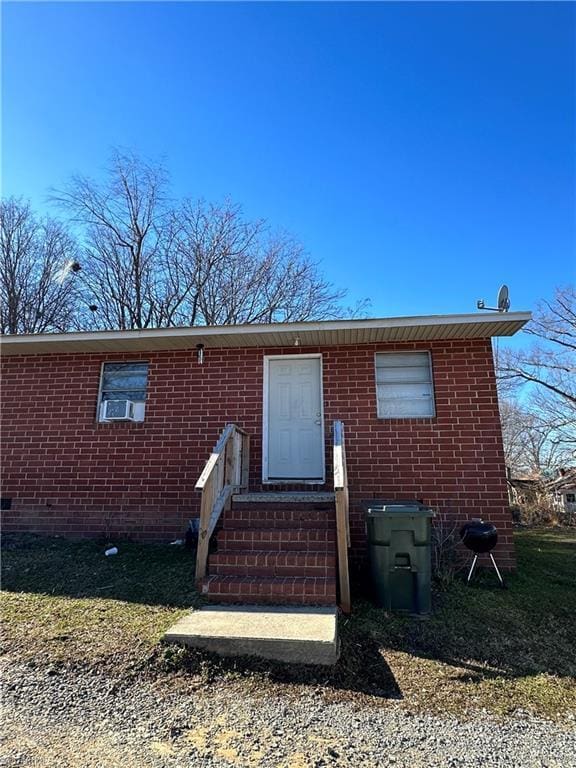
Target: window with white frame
404, 385
122, 392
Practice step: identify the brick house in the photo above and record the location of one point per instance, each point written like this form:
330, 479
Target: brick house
107, 433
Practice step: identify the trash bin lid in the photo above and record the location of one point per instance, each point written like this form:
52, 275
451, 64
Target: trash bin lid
387, 509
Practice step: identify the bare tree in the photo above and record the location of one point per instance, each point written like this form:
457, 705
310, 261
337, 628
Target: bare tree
543, 376
141, 263
127, 234
513, 421
239, 272
37, 294
531, 444
551, 361
146, 264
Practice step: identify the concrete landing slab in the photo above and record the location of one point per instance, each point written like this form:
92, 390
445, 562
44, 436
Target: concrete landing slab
270, 497
294, 634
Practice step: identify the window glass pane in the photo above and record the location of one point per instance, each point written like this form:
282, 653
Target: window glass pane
404, 384
124, 381
125, 376
406, 407
408, 374
128, 394
143, 367
404, 391
402, 359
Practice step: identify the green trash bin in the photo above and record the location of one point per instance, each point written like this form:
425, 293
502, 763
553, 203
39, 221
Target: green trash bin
400, 557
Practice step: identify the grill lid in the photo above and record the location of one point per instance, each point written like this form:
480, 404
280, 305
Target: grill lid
479, 536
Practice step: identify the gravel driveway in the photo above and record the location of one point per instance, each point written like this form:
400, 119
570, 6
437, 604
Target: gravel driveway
61, 718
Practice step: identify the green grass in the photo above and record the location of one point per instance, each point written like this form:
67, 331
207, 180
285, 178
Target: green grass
66, 602
490, 648
500, 650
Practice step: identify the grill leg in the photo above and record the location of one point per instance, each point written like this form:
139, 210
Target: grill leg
471, 571
496, 569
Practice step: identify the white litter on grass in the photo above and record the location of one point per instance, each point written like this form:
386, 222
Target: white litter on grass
178, 542
111, 551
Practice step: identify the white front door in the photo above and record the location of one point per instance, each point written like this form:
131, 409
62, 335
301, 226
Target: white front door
294, 434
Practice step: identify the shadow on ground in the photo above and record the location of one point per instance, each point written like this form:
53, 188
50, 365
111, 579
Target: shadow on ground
361, 668
479, 632
485, 632
150, 574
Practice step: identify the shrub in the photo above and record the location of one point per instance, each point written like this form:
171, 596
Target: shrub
535, 513
446, 560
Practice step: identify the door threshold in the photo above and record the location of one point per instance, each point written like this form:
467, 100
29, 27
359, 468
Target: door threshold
294, 481
273, 497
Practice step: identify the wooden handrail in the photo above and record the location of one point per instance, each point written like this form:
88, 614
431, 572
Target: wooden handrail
225, 473
342, 512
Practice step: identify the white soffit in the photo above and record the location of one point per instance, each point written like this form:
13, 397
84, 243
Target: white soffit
310, 334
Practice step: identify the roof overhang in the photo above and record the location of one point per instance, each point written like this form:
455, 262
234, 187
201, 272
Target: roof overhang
318, 334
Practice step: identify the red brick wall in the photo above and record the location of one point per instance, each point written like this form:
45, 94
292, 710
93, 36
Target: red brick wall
68, 474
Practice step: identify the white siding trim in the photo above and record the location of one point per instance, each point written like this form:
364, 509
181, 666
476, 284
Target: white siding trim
319, 333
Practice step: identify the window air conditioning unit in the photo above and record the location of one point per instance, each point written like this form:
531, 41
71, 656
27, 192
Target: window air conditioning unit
118, 410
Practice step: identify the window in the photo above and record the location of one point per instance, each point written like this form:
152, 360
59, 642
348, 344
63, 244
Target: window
571, 498
404, 385
123, 381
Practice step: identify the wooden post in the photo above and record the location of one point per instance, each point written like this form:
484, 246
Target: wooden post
245, 475
206, 505
347, 506
237, 448
229, 461
219, 471
342, 545
346, 492
342, 513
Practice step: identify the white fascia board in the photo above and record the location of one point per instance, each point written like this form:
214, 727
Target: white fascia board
204, 333
264, 328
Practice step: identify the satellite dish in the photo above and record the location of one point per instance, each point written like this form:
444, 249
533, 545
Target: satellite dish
503, 299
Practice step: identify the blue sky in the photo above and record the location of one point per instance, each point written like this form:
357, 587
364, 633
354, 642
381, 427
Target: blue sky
424, 153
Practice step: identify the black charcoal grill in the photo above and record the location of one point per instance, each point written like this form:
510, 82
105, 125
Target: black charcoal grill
480, 537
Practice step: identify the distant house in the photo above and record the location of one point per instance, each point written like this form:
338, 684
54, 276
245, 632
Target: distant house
113, 431
524, 490
563, 492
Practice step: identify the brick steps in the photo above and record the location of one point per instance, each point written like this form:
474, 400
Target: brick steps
289, 590
275, 548
270, 564
268, 516
277, 539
